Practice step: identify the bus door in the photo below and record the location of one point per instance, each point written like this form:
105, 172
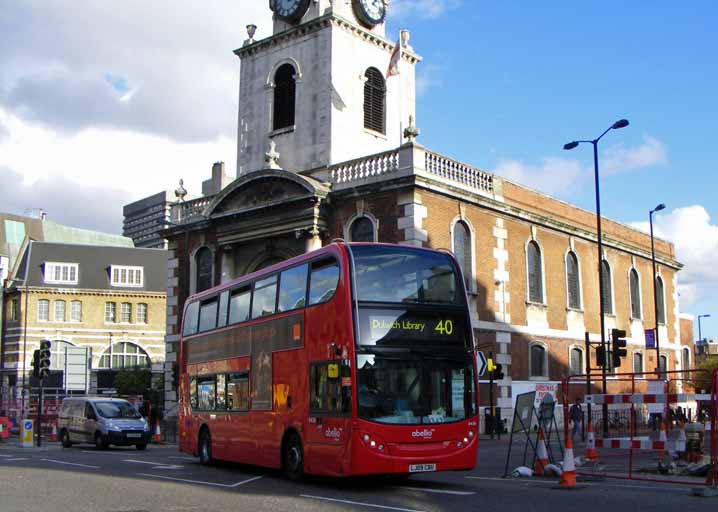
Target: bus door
329, 425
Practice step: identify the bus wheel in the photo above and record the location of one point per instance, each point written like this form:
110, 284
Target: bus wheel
293, 457
205, 448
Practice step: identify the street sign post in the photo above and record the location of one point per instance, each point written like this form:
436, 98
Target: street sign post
76, 374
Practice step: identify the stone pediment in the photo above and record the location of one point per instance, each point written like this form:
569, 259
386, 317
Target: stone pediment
261, 189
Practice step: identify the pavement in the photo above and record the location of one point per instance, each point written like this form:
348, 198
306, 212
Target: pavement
53, 478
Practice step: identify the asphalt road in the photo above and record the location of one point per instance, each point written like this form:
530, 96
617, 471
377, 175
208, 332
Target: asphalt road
161, 479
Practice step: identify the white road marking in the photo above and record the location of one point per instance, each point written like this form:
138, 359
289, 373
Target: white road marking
105, 452
215, 484
177, 457
156, 465
71, 464
15, 459
370, 505
437, 491
606, 483
6, 456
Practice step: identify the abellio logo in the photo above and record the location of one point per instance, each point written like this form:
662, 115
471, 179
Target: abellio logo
423, 434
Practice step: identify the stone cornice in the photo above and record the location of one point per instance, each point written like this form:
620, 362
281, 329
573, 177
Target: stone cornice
317, 24
94, 293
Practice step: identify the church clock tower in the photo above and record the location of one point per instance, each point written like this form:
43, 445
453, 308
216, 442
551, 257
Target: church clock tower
318, 87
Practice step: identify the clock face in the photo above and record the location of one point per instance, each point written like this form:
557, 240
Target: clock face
290, 10
370, 12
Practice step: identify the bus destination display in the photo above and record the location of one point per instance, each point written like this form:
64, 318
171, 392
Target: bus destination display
389, 327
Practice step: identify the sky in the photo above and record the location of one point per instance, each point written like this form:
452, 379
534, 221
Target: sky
104, 103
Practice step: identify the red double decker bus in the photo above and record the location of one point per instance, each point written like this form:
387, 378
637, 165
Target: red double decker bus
354, 359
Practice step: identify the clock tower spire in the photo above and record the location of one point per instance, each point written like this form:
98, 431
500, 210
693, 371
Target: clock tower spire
320, 88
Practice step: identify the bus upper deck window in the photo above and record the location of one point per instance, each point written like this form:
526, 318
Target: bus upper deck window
190, 320
323, 281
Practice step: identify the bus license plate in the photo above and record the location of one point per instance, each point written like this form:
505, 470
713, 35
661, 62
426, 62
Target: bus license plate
421, 468
134, 435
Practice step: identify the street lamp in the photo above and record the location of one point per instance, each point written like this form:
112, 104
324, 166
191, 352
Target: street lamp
700, 337
621, 123
655, 293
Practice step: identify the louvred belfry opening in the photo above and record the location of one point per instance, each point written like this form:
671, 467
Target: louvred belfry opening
284, 97
374, 101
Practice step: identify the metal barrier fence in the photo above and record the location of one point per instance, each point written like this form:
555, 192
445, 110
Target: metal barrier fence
648, 437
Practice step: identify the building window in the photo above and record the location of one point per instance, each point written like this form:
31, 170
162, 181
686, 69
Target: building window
663, 364
61, 273
635, 294
463, 250
76, 311
361, 230
110, 312
59, 311
43, 310
285, 88
14, 310
58, 351
576, 361
686, 361
124, 355
573, 281
126, 313
141, 313
537, 361
660, 301
535, 272
607, 290
374, 101
126, 277
203, 260
637, 362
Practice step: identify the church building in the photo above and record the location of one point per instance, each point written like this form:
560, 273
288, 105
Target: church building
327, 150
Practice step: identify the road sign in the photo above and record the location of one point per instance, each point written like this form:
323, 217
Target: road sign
27, 434
76, 374
480, 362
650, 338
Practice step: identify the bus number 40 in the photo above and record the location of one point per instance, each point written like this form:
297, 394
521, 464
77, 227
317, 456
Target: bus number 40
445, 327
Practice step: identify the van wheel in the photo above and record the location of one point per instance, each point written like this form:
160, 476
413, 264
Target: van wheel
100, 443
141, 446
205, 448
293, 457
65, 438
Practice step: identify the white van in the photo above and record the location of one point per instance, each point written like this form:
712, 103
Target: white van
102, 421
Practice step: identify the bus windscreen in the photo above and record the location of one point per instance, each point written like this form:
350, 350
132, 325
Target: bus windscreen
401, 275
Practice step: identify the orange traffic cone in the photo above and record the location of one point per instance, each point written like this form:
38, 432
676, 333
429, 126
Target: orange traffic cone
53, 433
158, 435
568, 477
591, 444
541, 455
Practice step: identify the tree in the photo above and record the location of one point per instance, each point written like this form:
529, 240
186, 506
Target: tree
134, 381
701, 378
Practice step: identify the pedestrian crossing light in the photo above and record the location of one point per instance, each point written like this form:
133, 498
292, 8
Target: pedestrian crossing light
36, 364
618, 346
600, 357
44, 359
498, 372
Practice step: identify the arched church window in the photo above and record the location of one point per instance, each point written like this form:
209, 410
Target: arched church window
203, 260
660, 301
285, 87
362, 230
374, 101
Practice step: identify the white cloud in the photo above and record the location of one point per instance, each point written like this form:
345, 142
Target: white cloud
617, 159
696, 241
425, 9
555, 176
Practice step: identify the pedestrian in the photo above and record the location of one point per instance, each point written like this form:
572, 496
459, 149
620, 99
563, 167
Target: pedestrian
575, 413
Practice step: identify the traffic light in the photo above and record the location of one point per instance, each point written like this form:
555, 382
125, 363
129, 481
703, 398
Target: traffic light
36, 364
600, 357
498, 372
45, 359
618, 346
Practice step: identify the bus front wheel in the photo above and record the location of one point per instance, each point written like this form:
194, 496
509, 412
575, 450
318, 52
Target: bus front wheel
293, 456
205, 448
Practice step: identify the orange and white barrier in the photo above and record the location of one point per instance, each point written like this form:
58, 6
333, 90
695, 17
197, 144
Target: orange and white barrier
631, 444
663, 438
591, 444
541, 455
645, 398
568, 477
